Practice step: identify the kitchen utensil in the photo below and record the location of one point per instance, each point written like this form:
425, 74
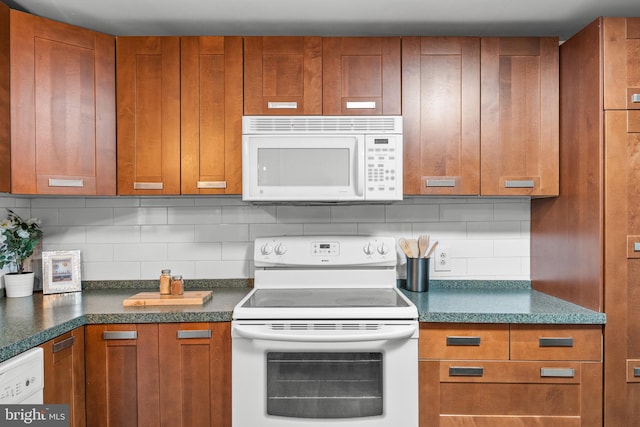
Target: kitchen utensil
406, 247
423, 244
418, 274
415, 251
433, 248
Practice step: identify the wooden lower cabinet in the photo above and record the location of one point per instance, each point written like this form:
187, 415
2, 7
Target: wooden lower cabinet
543, 391
64, 374
174, 374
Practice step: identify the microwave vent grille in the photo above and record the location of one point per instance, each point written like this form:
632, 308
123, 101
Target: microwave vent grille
321, 124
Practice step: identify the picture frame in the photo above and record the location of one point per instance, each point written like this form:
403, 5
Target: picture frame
61, 272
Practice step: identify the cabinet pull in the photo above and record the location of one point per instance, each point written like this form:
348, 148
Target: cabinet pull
635, 97
58, 182
557, 372
354, 105
636, 247
636, 372
279, 105
519, 183
556, 342
440, 183
203, 333
211, 184
120, 335
65, 343
466, 371
463, 341
148, 186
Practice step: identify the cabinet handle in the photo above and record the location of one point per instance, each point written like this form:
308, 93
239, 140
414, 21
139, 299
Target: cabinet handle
636, 247
203, 333
355, 105
636, 372
440, 183
557, 372
120, 335
279, 105
58, 182
65, 343
466, 371
556, 342
148, 186
519, 183
463, 341
635, 97
211, 184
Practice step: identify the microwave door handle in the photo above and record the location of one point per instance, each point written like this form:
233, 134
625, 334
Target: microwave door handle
403, 333
361, 173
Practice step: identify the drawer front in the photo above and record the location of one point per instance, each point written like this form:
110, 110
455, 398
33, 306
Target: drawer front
464, 341
548, 342
509, 372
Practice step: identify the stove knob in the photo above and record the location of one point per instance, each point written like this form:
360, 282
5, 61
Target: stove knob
369, 249
280, 249
266, 249
383, 249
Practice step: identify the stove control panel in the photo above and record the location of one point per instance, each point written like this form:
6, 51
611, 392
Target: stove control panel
284, 251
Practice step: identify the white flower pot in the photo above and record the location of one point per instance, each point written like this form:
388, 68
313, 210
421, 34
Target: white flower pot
18, 285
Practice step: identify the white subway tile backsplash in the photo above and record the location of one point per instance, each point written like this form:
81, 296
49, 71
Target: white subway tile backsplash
131, 238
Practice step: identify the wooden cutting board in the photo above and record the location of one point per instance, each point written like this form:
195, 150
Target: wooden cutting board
154, 298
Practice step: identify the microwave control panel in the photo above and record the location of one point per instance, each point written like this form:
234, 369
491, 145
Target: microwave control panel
383, 160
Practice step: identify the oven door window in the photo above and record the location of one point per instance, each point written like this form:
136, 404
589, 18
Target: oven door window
324, 385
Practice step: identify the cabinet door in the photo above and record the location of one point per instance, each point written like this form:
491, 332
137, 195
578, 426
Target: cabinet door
148, 111
122, 375
441, 112
621, 38
62, 108
211, 110
361, 76
519, 116
64, 374
195, 382
282, 75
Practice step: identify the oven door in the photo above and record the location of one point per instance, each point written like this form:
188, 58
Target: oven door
305, 373
303, 167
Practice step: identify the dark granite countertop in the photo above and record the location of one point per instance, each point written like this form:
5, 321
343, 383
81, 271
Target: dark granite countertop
30, 321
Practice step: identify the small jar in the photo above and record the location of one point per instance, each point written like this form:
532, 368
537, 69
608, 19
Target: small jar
177, 285
165, 282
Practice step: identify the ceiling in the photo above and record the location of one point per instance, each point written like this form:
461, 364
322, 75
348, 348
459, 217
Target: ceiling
561, 18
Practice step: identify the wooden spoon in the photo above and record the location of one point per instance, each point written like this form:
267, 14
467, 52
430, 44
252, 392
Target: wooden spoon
423, 244
406, 247
415, 251
433, 248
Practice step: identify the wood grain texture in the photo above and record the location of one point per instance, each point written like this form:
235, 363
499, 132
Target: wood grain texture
211, 111
5, 100
494, 341
283, 69
154, 299
621, 62
524, 342
441, 114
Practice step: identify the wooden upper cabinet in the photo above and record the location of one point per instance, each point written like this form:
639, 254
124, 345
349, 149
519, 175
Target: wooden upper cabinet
361, 76
211, 110
621, 41
148, 112
282, 75
519, 116
62, 102
441, 112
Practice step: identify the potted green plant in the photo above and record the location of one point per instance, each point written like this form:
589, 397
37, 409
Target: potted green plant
18, 239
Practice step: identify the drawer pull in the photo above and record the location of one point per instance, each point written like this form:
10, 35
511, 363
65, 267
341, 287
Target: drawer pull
556, 342
463, 341
636, 247
519, 183
557, 372
636, 372
203, 333
281, 105
211, 184
354, 105
56, 182
635, 97
65, 343
440, 183
466, 371
120, 335
148, 186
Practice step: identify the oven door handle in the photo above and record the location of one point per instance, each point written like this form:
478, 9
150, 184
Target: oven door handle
397, 333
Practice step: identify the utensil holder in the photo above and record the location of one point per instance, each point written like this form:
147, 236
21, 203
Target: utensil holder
418, 274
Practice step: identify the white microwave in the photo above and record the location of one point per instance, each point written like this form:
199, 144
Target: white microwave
321, 158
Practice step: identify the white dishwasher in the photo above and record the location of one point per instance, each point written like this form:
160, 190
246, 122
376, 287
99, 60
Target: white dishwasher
22, 378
